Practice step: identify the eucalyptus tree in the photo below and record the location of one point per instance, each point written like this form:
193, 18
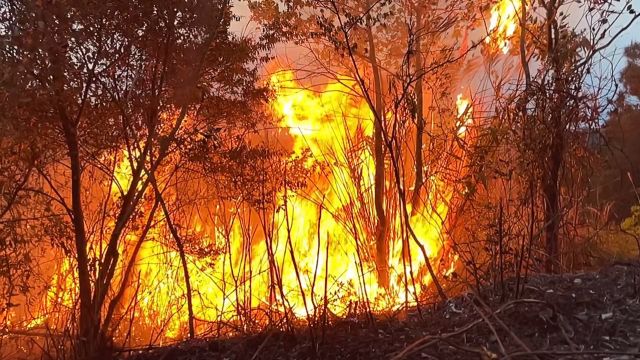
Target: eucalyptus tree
95, 81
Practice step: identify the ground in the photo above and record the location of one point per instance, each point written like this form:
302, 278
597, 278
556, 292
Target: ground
591, 315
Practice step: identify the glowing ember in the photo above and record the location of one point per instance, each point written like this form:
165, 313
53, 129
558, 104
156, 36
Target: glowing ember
503, 24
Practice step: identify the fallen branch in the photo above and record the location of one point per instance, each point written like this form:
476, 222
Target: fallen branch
433, 339
490, 325
30, 333
633, 354
504, 326
266, 339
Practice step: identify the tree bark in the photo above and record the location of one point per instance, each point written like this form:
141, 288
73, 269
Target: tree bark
382, 242
89, 320
183, 258
551, 184
115, 300
419, 161
552, 212
88, 329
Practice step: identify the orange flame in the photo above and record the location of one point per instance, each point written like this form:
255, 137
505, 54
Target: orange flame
320, 251
333, 125
464, 114
503, 24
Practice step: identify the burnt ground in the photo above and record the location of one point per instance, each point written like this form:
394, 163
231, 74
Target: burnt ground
593, 315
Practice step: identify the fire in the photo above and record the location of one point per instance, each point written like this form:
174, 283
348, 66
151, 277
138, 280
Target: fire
317, 254
464, 114
503, 24
334, 125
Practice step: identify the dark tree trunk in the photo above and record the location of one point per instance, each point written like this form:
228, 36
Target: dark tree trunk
183, 260
382, 242
419, 161
89, 321
555, 156
551, 193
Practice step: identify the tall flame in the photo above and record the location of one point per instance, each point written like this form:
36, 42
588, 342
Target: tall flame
334, 125
503, 24
318, 252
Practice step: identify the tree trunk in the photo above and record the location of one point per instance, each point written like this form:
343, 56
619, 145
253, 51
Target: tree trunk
183, 259
115, 300
382, 242
552, 212
551, 185
419, 162
89, 321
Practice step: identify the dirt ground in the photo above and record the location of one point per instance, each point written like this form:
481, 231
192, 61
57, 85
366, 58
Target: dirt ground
592, 315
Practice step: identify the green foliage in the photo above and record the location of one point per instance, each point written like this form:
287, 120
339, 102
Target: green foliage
615, 180
631, 224
630, 75
616, 245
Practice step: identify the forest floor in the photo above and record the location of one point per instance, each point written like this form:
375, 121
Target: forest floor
591, 315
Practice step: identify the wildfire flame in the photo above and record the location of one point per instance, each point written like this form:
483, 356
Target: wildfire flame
334, 125
503, 24
464, 114
318, 254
